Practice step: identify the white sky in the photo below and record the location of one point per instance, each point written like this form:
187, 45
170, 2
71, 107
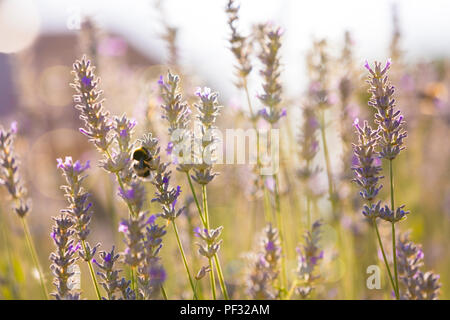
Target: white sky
203, 31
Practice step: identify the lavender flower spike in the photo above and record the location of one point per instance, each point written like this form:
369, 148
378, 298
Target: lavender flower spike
390, 122
417, 284
9, 171
110, 275
265, 267
63, 258
97, 123
79, 209
270, 59
240, 45
309, 256
366, 170
208, 111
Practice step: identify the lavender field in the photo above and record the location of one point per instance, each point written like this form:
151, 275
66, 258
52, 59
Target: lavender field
222, 153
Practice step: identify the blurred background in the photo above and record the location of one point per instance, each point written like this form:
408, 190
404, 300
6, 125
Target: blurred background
132, 43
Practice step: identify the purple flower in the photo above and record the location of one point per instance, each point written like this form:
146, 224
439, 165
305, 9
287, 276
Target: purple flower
169, 148
131, 124
123, 133
161, 81
204, 94
270, 246
388, 65
86, 81
270, 183
263, 112
83, 131
151, 220
313, 123
420, 254
283, 112
123, 227
197, 231
377, 161
366, 65
13, 127
178, 191
127, 194
78, 166
53, 235
355, 160
73, 249
158, 274
64, 164
107, 257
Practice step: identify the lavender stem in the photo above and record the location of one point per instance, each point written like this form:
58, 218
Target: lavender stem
216, 258
195, 198
34, 256
327, 163
384, 255
180, 246
394, 251
91, 270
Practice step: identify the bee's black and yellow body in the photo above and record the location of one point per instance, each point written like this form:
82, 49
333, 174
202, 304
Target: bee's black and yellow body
142, 158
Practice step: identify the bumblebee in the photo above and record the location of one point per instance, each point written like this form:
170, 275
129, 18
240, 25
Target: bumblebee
142, 158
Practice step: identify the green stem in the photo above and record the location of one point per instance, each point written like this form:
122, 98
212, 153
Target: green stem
9, 258
34, 256
267, 214
308, 200
163, 292
205, 206
248, 98
91, 270
133, 280
195, 198
267, 207
212, 279
221, 279
384, 256
327, 163
283, 274
180, 247
394, 251
292, 290
216, 258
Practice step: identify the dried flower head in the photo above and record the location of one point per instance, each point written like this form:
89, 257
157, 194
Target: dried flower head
177, 113
63, 259
205, 155
270, 59
265, 267
308, 258
9, 171
240, 45
211, 243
